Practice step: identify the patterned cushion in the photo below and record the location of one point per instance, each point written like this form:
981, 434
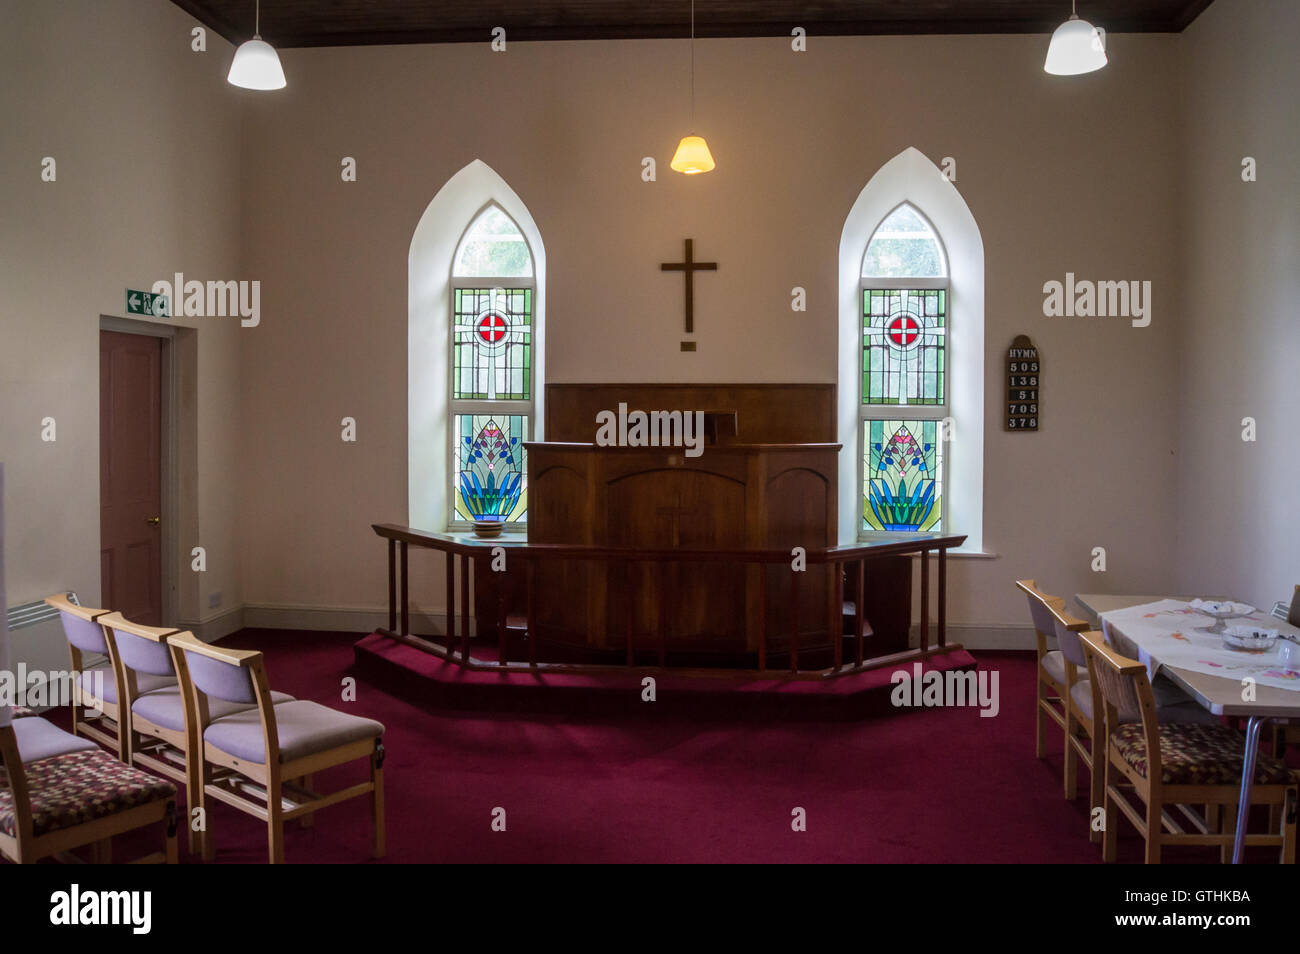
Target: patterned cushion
21, 712
1193, 754
70, 790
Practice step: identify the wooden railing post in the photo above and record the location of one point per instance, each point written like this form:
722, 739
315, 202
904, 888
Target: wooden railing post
661, 611
794, 621
631, 602
464, 609
532, 612
449, 577
925, 600
392, 585
406, 604
943, 596
762, 617
860, 621
836, 621
503, 631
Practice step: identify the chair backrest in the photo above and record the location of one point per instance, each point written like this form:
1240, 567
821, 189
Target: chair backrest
220, 673
16, 776
1124, 687
1066, 629
141, 648
1040, 606
79, 626
1293, 614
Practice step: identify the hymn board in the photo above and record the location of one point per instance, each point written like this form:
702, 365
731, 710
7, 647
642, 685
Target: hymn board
1023, 372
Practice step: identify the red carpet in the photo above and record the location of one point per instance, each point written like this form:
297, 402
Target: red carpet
922, 785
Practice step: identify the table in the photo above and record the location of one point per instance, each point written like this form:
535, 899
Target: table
1220, 696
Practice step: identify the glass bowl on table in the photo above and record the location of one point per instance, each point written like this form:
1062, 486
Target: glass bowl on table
1249, 639
1220, 611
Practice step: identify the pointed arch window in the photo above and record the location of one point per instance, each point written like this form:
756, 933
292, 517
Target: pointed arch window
493, 394
904, 375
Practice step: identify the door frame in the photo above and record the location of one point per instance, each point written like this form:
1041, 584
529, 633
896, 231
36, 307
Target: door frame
169, 479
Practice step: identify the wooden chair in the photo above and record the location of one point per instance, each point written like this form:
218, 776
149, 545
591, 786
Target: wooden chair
84, 635
1057, 676
52, 805
158, 732
271, 752
1176, 764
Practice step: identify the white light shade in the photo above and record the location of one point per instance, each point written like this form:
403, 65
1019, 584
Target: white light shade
1077, 47
692, 156
256, 66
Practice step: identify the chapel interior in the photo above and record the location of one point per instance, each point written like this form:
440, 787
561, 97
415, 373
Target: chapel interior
686, 431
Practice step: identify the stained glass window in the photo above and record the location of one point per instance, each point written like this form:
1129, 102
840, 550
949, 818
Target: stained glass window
904, 245
492, 347
491, 466
493, 247
903, 473
905, 361
493, 308
903, 345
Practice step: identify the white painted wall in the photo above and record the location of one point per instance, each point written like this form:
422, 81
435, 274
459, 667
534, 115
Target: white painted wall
145, 134
1239, 522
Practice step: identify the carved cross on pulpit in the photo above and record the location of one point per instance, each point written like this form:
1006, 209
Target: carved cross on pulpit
675, 511
689, 267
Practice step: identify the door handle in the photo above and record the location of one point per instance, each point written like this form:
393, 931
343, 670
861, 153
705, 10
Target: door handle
154, 520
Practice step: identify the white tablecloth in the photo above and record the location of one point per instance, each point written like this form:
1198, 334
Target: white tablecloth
1167, 633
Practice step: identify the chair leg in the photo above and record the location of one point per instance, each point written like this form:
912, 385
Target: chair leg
1155, 829
306, 821
1110, 837
275, 822
378, 846
169, 829
1040, 728
101, 852
1229, 829
1071, 757
1289, 827
207, 844
1096, 787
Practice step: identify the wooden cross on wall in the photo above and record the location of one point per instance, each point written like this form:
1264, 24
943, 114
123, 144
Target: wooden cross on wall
689, 267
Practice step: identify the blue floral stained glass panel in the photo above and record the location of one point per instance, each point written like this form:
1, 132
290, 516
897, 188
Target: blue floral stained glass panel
903, 474
490, 479
903, 345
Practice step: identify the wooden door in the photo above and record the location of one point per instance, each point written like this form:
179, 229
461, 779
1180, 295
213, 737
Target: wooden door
130, 475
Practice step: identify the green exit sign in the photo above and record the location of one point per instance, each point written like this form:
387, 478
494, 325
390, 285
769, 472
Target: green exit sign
146, 303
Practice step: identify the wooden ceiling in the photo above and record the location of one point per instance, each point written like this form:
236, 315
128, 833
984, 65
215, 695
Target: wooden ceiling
290, 23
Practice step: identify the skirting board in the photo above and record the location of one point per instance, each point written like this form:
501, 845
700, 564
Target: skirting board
367, 619
986, 636
343, 619
215, 627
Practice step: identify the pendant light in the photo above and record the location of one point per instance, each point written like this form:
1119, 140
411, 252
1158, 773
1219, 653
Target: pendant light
256, 64
1077, 47
692, 156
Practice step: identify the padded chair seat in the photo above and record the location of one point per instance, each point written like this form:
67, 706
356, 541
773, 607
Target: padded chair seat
1189, 711
1054, 664
302, 728
143, 683
38, 739
21, 712
166, 708
1198, 755
72, 789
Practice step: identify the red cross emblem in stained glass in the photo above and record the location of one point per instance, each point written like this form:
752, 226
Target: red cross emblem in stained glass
903, 330
492, 328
